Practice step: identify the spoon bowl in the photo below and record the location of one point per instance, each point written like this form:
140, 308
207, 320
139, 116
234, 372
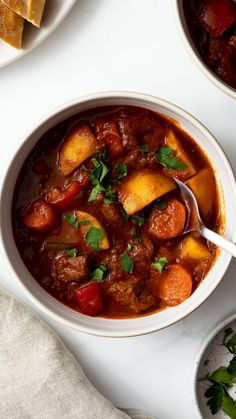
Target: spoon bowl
195, 223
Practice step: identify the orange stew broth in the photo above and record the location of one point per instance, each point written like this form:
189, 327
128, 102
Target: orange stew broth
121, 294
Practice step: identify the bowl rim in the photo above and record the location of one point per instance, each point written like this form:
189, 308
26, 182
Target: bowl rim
124, 95
221, 324
186, 38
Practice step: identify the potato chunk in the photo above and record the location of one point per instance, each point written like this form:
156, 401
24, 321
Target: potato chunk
173, 142
194, 249
92, 222
142, 187
203, 186
77, 147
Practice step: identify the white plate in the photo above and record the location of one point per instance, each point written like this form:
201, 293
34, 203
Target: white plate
212, 355
54, 13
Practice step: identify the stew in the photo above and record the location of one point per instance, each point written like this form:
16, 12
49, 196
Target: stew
98, 218
212, 24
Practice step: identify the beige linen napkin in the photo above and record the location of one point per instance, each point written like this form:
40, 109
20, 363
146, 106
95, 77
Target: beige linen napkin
39, 377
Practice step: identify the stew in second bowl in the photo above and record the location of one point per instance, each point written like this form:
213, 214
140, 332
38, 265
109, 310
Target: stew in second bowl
99, 221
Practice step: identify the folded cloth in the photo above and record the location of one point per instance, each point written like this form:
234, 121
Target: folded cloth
39, 377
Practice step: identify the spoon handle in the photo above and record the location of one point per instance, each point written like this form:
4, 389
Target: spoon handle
219, 241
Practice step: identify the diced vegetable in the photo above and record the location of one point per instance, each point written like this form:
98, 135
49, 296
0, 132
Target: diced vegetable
107, 132
89, 299
203, 187
194, 249
167, 223
76, 148
41, 216
66, 197
215, 16
174, 285
173, 142
142, 187
93, 223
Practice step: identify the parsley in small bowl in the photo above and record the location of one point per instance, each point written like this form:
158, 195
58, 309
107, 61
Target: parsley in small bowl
215, 373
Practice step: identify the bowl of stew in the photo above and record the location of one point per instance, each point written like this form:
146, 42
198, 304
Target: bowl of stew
92, 220
208, 30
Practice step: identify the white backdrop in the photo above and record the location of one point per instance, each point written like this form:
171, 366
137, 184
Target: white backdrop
126, 45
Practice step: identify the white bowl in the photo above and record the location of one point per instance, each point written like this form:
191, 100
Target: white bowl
211, 356
125, 327
191, 48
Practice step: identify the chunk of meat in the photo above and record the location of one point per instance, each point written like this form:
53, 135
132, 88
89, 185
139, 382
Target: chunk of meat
41, 216
108, 133
215, 16
132, 293
174, 285
67, 269
167, 223
202, 268
112, 213
89, 299
66, 197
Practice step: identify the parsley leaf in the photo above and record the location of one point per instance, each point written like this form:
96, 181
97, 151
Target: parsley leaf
165, 157
110, 196
229, 406
84, 222
215, 395
71, 252
126, 263
231, 344
121, 170
94, 237
160, 203
124, 214
99, 274
144, 148
220, 376
71, 218
140, 219
97, 175
137, 234
95, 192
130, 245
160, 264
232, 368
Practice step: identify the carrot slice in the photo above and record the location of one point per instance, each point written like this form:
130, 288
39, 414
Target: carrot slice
168, 223
174, 285
40, 216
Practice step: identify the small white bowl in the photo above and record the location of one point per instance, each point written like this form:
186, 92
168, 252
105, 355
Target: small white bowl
211, 356
103, 326
191, 48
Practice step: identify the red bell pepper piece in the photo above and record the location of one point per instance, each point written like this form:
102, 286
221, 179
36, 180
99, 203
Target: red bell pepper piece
64, 198
215, 16
89, 299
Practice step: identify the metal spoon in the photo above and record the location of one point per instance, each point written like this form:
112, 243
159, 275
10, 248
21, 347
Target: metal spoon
195, 223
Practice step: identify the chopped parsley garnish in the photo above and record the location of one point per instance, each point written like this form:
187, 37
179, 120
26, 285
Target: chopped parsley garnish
84, 222
121, 170
160, 264
130, 245
71, 252
140, 219
94, 237
222, 379
165, 156
126, 263
98, 179
160, 203
124, 214
99, 274
71, 218
137, 234
144, 148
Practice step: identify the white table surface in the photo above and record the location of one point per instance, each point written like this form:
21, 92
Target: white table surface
123, 45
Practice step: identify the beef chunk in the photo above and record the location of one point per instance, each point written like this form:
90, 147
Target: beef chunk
132, 293
65, 268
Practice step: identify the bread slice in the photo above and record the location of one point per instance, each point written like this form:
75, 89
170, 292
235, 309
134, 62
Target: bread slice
31, 10
11, 26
